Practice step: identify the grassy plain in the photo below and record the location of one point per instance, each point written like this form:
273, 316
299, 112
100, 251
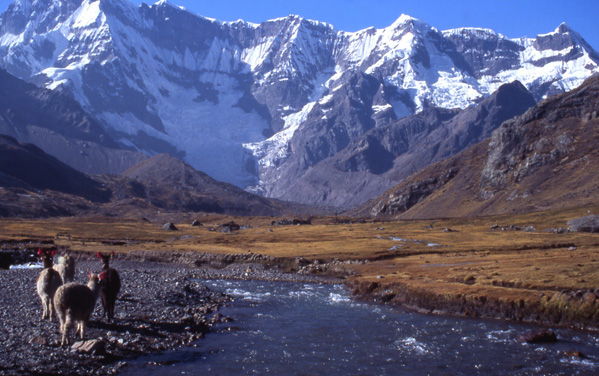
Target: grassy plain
452, 258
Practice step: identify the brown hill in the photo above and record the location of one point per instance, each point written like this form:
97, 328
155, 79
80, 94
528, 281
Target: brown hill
172, 184
545, 158
27, 166
35, 184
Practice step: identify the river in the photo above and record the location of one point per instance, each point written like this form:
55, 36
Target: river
311, 329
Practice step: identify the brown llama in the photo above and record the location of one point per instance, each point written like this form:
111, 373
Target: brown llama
110, 286
48, 282
75, 302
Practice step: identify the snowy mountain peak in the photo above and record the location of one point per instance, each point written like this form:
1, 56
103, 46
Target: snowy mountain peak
564, 27
404, 20
246, 102
165, 3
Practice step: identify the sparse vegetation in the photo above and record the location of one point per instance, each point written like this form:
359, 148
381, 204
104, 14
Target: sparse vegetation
477, 264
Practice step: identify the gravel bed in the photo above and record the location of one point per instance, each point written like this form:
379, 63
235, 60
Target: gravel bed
160, 307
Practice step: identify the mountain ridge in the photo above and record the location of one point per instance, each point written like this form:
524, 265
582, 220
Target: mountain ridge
233, 102
542, 159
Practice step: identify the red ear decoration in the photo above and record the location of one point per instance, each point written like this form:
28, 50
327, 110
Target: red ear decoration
112, 254
39, 252
90, 274
53, 252
99, 255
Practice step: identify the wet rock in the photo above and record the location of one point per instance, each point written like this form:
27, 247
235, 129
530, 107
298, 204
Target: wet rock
169, 226
5, 260
574, 354
543, 336
220, 318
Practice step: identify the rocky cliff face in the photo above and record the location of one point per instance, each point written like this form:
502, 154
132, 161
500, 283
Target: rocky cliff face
383, 156
539, 160
518, 150
246, 102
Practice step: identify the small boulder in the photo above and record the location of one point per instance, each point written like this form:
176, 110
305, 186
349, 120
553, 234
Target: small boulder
229, 227
169, 226
92, 347
543, 336
39, 340
196, 223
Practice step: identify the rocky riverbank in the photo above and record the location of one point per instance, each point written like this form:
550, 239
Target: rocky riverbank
161, 306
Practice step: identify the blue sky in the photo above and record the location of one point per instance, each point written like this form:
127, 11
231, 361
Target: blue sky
512, 18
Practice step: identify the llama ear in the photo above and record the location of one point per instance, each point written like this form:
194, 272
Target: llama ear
99, 255
90, 274
112, 254
39, 252
53, 252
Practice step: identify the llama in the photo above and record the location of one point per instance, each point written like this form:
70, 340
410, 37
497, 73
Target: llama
110, 286
75, 302
48, 282
66, 268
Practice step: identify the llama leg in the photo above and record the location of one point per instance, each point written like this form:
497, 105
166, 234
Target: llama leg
61, 322
50, 309
82, 328
65, 332
46, 303
43, 307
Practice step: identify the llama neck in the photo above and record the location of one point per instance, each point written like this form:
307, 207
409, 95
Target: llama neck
94, 286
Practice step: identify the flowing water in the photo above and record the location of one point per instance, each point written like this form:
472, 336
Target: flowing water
311, 329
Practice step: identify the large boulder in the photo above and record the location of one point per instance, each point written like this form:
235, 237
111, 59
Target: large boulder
590, 223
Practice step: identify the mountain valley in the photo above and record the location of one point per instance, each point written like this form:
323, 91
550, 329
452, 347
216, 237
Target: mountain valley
279, 108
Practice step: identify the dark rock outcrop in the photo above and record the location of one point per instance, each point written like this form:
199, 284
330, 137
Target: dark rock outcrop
169, 226
543, 336
590, 223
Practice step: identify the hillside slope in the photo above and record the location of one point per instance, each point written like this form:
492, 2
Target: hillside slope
543, 159
35, 184
56, 123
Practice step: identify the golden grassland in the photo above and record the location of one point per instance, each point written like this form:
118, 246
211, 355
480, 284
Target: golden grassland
471, 259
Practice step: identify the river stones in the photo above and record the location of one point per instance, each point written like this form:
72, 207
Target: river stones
543, 336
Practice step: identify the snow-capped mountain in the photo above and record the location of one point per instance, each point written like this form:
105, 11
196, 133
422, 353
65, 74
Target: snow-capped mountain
256, 104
